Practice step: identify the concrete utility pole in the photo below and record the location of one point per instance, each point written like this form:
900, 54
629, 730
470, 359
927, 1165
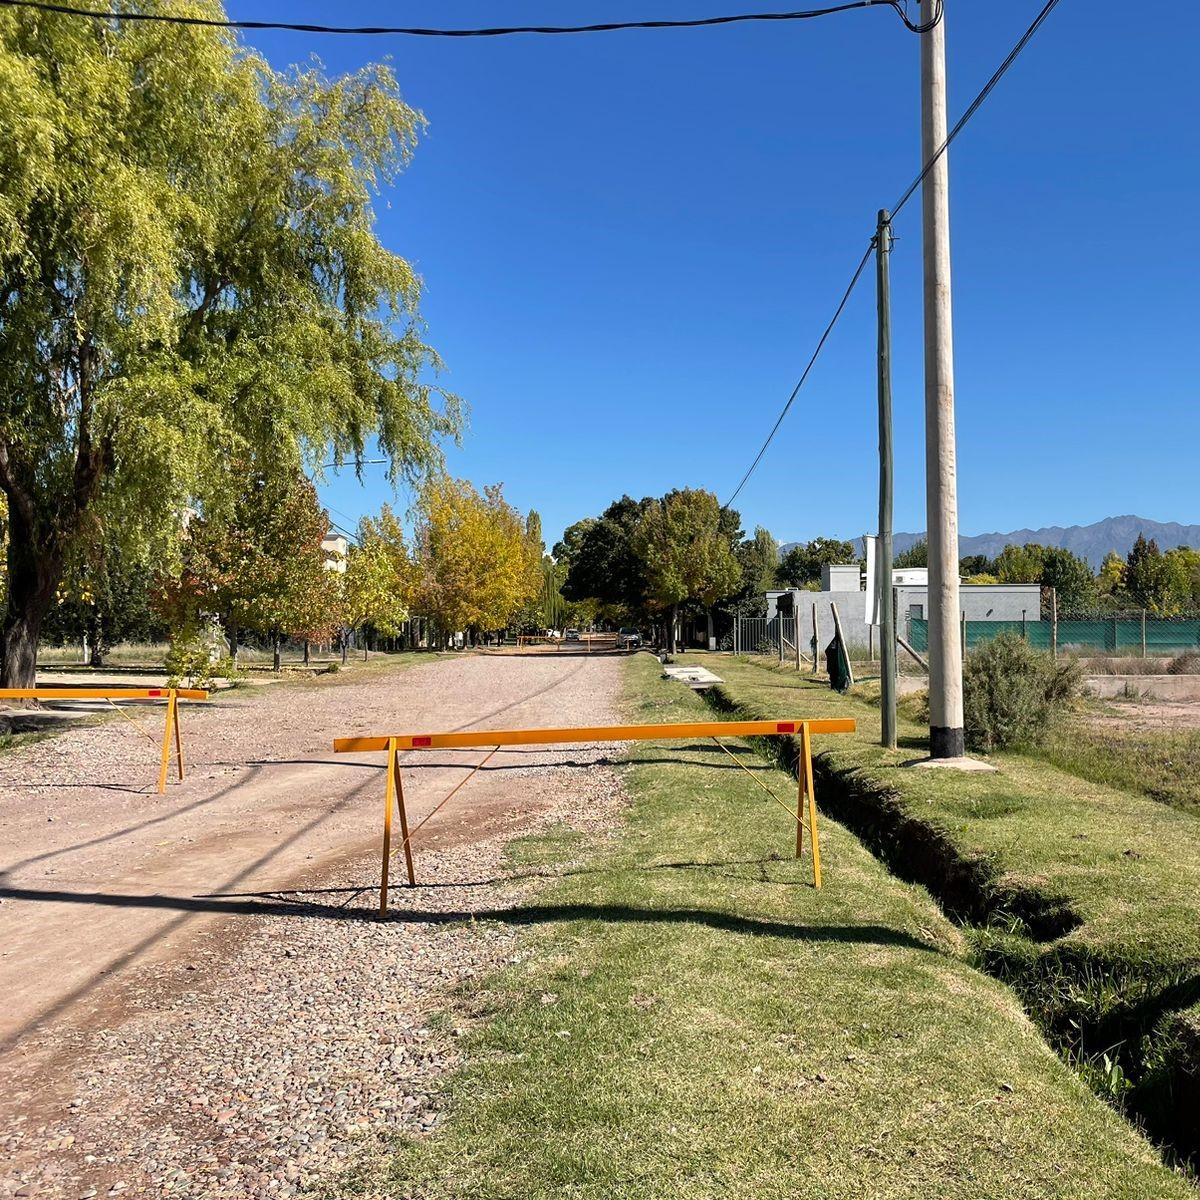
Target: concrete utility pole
883, 565
941, 476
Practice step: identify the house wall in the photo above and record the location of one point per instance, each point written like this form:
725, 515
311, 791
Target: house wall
1000, 602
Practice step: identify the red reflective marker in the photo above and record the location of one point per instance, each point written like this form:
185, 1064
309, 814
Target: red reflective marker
422, 741
786, 727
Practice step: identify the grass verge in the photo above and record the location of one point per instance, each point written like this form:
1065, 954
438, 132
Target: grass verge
1164, 766
691, 1019
1083, 897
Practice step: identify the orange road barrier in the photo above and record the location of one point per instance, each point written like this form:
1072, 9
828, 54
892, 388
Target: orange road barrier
171, 695
494, 739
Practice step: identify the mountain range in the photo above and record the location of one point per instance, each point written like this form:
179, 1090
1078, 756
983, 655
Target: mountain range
1092, 542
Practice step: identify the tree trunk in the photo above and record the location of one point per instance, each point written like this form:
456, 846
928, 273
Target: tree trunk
708, 644
33, 577
232, 630
671, 631
277, 647
345, 648
97, 645
306, 651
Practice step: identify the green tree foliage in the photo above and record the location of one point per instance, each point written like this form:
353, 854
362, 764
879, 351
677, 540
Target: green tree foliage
372, 591
256, 567
104, 598
1155, 581
1185, 569
189, 277
1020, 564
801, 565
975, 564
917, 555
552, 608
1071, 578
1069, 575
603, 563
688, 553
375, 589
759, 559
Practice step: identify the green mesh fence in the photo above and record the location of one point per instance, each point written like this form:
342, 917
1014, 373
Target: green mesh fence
1119, 635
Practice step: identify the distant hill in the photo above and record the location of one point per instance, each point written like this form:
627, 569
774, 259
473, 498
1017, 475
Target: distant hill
1092, 542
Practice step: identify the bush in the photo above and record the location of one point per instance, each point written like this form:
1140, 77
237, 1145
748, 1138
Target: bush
1186, 664
193, 660
1011, 693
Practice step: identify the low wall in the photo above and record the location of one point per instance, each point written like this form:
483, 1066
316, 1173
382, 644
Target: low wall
1154, 687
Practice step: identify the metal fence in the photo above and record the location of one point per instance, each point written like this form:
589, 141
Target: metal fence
774, 638
1127, 635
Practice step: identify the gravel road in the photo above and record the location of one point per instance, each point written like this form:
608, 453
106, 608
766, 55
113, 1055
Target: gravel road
198, 1002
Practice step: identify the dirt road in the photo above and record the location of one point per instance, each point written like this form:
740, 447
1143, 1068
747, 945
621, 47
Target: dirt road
108, 888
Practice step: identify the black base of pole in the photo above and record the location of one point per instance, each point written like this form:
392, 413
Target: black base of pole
946, 743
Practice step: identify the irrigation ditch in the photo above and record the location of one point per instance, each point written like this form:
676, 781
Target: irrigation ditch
1120, 1021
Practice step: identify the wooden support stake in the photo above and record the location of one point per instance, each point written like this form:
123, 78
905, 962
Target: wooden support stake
408, 858
816, 640
178, 736
814, 836
387, 827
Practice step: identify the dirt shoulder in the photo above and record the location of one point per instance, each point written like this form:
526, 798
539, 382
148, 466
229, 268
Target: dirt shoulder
148, 939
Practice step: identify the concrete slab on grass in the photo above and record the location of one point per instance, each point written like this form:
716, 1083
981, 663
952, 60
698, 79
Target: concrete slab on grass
697, 678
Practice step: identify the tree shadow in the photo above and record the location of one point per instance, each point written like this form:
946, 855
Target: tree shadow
519, 915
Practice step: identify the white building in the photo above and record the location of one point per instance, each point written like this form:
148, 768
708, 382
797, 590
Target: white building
845, 586
336, 547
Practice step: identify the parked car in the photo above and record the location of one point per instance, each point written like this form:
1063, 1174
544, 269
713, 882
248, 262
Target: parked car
628, 639
572, 635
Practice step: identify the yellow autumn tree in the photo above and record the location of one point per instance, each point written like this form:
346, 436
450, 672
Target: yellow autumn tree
377, 584
475, 562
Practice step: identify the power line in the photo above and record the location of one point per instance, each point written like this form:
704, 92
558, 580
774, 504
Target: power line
976, 104
971, 110
897, 6
811, 363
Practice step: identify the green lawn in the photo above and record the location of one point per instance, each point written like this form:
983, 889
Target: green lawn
1084, 896
694, 1020
1164, 765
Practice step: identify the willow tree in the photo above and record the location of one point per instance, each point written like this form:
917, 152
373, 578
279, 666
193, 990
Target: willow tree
189, 277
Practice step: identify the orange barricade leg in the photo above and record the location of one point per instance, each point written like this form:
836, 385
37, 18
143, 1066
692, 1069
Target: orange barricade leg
800, 805
814, 836
165, 761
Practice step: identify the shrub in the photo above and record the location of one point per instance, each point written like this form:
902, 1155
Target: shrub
1187, 663
193, 661
1011, 693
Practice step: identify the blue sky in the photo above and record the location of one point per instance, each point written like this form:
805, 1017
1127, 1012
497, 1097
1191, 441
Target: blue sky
631, 241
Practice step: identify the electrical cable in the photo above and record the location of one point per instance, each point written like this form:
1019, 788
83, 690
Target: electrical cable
897, 6
976, 104
971, 110
811, 363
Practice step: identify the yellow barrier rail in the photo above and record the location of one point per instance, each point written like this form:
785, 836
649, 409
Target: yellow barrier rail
494, 739
171, 695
